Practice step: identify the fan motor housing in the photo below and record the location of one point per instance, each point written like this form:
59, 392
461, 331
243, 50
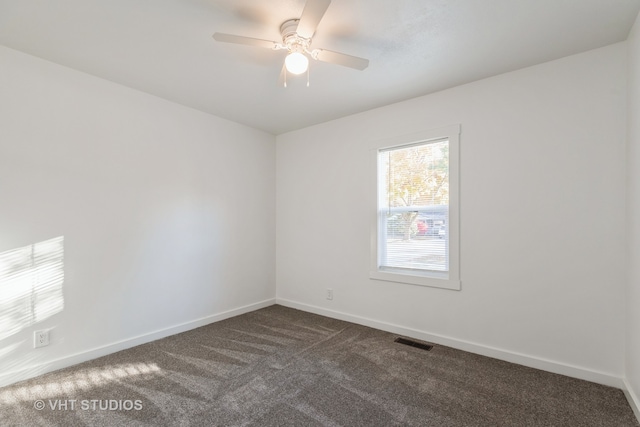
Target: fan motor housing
288, 28
291, 38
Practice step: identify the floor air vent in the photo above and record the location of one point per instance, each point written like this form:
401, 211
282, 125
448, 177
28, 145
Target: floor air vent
412, 343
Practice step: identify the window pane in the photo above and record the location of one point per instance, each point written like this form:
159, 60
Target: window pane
414, 207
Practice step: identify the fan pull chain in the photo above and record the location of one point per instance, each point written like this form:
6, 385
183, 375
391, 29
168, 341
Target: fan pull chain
308, 76
285, 78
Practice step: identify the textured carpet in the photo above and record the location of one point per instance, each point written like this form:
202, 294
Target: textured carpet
283, 367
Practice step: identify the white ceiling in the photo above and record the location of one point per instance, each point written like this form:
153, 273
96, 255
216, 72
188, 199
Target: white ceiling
415, 47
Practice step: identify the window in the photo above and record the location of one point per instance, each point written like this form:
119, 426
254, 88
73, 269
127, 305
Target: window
415, 231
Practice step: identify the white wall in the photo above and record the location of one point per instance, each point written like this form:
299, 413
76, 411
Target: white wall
633, 219
542, 217
167, 213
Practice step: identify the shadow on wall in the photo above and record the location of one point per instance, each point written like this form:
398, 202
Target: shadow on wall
31, 281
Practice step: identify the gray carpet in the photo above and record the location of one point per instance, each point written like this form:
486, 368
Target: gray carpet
283, 367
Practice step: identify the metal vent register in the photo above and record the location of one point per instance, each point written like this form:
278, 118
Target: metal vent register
412, 343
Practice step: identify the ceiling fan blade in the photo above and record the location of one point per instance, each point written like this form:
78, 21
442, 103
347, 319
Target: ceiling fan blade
341, 59
311, 15
230, 38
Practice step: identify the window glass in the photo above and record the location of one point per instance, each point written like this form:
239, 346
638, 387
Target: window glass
414, 207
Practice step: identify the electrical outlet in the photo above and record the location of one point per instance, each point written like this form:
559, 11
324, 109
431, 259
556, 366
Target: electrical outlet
329, 293
40, 339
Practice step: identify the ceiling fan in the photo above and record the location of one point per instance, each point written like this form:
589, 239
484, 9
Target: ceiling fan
297, 37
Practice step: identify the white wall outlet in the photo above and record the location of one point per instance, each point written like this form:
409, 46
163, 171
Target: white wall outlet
40, 339
329, 293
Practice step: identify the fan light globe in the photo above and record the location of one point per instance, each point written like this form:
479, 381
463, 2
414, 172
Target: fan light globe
296, 63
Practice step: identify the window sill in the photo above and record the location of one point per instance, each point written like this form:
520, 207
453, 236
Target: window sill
433, 280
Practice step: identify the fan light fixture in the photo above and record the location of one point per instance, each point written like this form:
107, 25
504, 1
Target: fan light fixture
297, 37
296, 63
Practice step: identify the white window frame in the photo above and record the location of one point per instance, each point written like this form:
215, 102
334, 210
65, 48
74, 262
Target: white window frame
446, 280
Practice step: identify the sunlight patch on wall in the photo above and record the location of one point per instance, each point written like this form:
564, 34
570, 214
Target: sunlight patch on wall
31, 279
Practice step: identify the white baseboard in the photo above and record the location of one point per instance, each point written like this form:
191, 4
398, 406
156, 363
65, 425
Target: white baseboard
496, 353
633, 399
66, 361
